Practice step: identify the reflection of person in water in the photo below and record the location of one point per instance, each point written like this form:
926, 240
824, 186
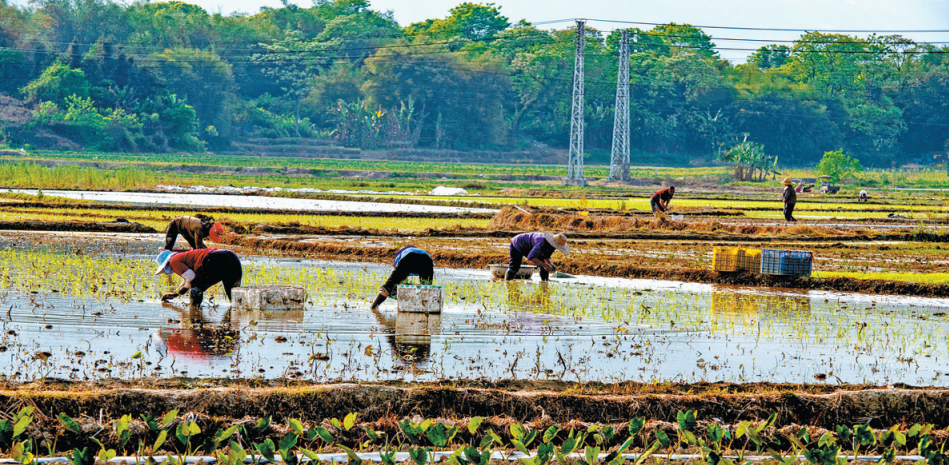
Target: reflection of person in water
540, 297
414, 348
196, 337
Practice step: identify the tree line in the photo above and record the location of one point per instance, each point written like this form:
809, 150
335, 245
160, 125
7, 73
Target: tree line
173, 77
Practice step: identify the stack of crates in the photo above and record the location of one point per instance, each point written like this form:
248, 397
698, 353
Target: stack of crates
726, 258
786, 262
734, 259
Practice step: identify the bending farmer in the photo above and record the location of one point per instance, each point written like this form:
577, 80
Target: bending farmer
409, 261
200, 269
194, 230
790, 198
660, 200
538, 248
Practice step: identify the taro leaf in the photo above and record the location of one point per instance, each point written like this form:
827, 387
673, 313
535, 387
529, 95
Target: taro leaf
626, 445
594, 427
767, 424
224, 435
636, 425
569, 445
686, 420
474, 423
898, 436
160, 440
914, 430
295, 425
387, 458
373, 434
24, 412
926, 428
20, 426
827, 439
263, 424
122, 429
20, 452
168, 418
324, 434
236, 454
425, 424
289, 458
544, 453
411, 431
310, 455
353, 459
518, 431
266, 449
550, 434
608, 432
520, 446
889, 455
742, 429
844, 433
349, 421
864, 435
181, 432
438, 434
647, 453
106, 455
715, 433
419, 456
527, 461
336, 424
662, 437
151, 422
84, 456
561, 459
529, 438
288, 441
473, 454
310, 434
69, 423
592, 454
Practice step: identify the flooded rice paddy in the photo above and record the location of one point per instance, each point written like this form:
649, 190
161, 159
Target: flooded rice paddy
250, 201
86, 307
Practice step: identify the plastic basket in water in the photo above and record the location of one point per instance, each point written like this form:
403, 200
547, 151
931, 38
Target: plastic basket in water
786, 262
750, 260
726, 258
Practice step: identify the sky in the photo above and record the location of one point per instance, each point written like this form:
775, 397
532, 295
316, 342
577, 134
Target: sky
823, 15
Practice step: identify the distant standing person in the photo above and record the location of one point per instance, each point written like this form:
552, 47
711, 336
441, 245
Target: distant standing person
863, 197
790, 198
538, 248
194, 230
660, 200
200, 269
409, 261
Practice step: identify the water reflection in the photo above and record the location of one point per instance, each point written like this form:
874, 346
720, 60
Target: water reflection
409, 335
195, 337
517, 298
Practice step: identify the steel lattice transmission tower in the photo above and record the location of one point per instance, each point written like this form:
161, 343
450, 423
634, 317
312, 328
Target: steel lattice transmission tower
619, 162
575, 162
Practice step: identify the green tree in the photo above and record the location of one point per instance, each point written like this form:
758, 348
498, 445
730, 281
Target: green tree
205, 81
471, 21
838, 165
770, 56
57, 83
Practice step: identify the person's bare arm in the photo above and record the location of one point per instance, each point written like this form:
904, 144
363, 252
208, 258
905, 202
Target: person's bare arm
545, 264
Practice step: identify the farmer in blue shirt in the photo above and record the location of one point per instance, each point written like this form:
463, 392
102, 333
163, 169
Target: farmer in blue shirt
538, 248
409, 261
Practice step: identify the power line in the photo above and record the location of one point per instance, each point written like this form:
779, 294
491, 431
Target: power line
738, 28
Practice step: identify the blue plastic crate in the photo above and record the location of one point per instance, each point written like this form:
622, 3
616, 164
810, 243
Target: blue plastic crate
786, 262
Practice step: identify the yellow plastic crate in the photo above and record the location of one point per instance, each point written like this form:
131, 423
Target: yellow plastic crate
750, 260
726, 258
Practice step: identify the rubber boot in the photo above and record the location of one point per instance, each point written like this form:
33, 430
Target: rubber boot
509, 275
379, 300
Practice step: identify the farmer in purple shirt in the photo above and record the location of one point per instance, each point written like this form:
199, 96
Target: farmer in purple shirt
537, 247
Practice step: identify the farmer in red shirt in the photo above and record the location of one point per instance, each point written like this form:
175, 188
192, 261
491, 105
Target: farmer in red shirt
660, 200
200, 269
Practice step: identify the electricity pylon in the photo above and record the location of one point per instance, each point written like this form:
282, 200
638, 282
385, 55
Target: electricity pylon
619, 162
575, 160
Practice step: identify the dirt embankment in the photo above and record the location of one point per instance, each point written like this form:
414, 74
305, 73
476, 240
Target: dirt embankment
566, 404
76, 226
619, 269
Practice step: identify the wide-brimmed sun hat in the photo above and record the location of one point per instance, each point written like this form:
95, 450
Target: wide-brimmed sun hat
787, 181
215, 232
559, 241
162, 259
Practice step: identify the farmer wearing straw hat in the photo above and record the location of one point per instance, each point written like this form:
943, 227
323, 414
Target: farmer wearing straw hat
538, 248
790, 198
194, 230
409, 261
200, 269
